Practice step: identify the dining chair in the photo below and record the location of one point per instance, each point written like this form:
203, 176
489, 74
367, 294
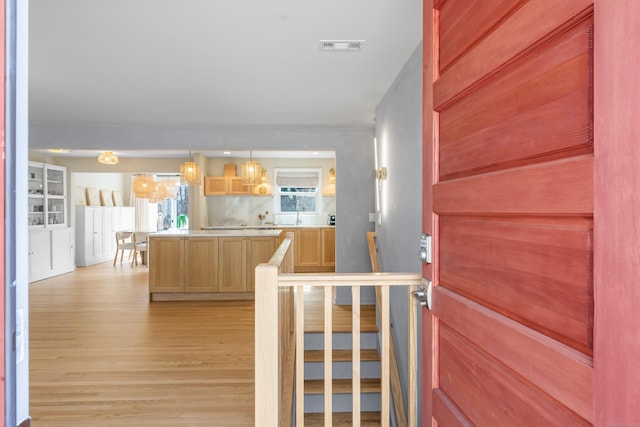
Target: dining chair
124, 242
140, 247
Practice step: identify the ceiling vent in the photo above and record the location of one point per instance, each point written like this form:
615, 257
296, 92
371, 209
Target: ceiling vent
342, 45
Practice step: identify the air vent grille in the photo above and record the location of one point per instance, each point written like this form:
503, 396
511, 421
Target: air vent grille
342, 45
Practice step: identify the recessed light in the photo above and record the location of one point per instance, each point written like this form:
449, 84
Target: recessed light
227, 153
315, 153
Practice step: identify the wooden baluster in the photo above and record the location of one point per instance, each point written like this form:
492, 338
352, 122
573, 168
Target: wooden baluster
355, 357
384, 362
328, 356
300, 356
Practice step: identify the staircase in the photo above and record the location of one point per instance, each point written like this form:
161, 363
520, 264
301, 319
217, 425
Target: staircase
342, 365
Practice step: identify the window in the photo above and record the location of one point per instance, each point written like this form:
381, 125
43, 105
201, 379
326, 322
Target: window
297, 190
174, 212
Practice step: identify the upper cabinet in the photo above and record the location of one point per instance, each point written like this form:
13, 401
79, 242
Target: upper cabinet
47, 187
225, 186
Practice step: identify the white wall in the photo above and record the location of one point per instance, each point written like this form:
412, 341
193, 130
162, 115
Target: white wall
399, 147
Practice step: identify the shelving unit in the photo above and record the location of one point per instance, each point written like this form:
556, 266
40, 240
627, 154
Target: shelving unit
51, 246
47, 195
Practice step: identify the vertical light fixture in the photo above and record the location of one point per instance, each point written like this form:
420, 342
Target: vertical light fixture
190, 172
251, 172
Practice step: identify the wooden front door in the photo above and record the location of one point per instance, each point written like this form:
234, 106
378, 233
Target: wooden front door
508, 136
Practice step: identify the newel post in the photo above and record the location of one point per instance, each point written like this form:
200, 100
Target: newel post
266, 346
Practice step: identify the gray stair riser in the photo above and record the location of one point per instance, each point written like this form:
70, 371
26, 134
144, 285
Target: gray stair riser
315, 370
341, 340
314, 403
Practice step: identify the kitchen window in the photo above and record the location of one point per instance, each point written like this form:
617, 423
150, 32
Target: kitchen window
298, 191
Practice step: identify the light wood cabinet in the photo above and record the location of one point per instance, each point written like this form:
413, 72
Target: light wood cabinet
166, 264
225, 186
329, 247
259, 250
207, 267
314, 249
232, 264
200, 255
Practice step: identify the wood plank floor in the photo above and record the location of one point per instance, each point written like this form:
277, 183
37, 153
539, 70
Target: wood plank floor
102, 355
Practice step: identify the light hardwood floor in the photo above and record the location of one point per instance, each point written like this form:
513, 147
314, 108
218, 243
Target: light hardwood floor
102, 355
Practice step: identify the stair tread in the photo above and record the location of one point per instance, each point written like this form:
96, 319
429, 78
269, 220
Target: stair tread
341, 355
343, 419
367, 385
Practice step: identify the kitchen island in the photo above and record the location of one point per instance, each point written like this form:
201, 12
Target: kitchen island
207, 264
315, 245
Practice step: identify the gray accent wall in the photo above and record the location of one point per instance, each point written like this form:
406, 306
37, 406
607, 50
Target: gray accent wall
399, 149
354, 160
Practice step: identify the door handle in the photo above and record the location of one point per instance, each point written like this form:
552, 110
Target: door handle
423, 294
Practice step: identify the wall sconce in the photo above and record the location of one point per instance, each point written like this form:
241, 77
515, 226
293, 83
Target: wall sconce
108, 158
190, 172
381, 173
332, 176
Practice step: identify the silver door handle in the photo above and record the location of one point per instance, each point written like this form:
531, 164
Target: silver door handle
423, 295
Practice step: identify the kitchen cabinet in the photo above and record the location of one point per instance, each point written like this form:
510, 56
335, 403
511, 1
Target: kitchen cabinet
314, 249
232, 264
225, 186
166, 264
50, 253
259, 250
200, 255
95, 232
207, 265
329, 247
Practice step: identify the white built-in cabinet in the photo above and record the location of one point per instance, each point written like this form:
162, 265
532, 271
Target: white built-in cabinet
95, 231
51, 246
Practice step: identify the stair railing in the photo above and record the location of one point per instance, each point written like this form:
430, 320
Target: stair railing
279, 338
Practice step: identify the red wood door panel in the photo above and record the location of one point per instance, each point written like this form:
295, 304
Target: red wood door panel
464, 22
537, 274
519, 114
511, 194
491, 394
561, 187
531, 25
561, 372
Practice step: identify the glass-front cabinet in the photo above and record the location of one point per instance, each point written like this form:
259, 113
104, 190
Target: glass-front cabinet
47, 195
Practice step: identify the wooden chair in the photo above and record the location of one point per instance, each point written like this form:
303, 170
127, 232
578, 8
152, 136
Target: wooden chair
124, 242
140, 247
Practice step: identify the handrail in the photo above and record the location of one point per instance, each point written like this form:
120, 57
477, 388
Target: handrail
276, 335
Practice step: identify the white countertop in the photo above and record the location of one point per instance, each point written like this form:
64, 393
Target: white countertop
264, 227
236, 232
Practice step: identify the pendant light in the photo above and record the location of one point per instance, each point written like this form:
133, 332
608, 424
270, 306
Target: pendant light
108, 158
144, 186
190, 172
251, 172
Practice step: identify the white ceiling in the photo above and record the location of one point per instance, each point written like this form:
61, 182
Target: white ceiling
215, 62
